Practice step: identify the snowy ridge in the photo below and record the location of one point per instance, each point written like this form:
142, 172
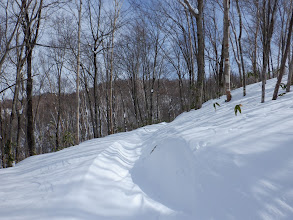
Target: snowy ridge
206, 164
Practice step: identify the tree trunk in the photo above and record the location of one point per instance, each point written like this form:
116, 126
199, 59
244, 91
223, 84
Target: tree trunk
190, 63
268, 20
226, 49
200, 56
77, 74
134, 98
1, 141
221, 71
263, 77
255, 69
284, 58
240, 48
181, 92
96, 97
110, 115
236, 54
12, 117
58, 147
158, 95
92, 117
153, 80
17, 150
29, 111
289, 81
199, 15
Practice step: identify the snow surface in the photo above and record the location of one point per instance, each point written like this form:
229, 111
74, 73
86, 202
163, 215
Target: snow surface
206, 164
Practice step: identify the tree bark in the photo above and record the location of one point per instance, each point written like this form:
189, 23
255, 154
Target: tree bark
289, 81
154, 79
198, 14
268, 20
29, 111
2, 165
190, 63
17, 150
110, 114
284, 58
11, 122
31, 25
77, 74
221, 71
200, 56
58, 147
226, 4
96, 97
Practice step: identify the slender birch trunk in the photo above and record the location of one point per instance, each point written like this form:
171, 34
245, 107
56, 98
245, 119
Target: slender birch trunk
77, 74
110, 106
226, 4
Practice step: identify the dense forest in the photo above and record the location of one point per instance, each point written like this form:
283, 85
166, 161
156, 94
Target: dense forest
72, 70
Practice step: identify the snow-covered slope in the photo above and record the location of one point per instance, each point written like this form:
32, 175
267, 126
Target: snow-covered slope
206, 164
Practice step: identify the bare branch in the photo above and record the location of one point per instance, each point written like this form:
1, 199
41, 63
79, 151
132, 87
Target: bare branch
186, 4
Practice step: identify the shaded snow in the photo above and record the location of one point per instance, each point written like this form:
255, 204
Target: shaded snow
206, 164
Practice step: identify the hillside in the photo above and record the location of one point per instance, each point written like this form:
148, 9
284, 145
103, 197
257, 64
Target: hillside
206, 164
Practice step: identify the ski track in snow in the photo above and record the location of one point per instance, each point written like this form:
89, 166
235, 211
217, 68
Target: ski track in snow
206, 164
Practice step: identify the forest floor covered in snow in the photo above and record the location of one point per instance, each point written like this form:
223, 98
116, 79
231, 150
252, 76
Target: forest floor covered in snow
206, 164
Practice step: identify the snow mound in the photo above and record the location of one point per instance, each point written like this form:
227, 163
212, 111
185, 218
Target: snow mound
165, 171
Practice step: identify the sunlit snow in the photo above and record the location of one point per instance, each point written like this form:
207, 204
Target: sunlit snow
206, 164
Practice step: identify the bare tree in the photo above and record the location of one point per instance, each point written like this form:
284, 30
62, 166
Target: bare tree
59, 60
284, 58
77, 73
240, 48
214, 50
31, 25
97, 36
252, 30
199, 15
117, 8
267, 27
20, 60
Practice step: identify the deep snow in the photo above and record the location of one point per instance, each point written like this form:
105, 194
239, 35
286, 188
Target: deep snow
206, 164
